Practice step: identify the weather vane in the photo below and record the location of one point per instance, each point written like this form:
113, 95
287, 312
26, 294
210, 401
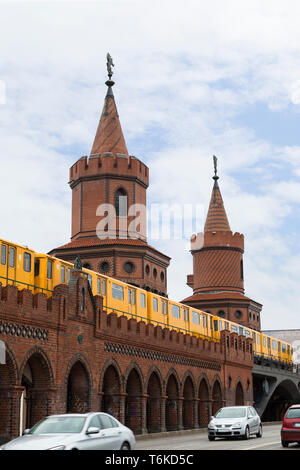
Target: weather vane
215, 164
109, 65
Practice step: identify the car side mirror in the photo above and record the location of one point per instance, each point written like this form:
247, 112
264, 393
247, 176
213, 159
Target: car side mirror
92, 430
26, 431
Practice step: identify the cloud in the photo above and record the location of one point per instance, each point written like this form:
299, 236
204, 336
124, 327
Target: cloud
184, 74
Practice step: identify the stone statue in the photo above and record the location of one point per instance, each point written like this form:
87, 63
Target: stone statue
77, 264
109, 64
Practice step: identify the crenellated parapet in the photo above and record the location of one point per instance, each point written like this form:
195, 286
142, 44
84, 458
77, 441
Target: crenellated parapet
109, 164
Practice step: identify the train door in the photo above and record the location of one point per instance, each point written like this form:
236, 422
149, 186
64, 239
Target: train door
49, 275
269, 347
131, 301
8, 263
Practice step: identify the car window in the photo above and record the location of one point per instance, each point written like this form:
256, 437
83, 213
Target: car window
95, 422
293, 413
108, 422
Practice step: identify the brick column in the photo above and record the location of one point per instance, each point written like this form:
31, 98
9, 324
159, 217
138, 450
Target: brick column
163, 413
144, 399
179, 413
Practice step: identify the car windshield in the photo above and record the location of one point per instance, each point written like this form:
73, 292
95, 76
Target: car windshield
293, 413
231, 413
58, 425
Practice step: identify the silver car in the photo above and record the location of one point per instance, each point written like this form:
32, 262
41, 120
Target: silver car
235, 421
90, 431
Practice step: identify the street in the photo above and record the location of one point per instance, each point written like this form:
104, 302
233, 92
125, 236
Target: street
198, 441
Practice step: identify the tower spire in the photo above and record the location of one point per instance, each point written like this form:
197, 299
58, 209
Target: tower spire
216, 217
109, 136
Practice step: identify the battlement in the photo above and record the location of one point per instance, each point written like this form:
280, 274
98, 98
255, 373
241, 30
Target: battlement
217, 238
109, 164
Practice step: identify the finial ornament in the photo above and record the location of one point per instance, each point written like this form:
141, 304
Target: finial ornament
109, 65
78, 264
215, 164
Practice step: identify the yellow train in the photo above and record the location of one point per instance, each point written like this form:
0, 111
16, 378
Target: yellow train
39, 272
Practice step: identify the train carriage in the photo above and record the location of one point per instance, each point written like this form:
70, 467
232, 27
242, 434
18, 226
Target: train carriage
16, 265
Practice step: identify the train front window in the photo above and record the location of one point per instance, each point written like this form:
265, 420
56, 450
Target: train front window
3, 254
27, 262
11, 257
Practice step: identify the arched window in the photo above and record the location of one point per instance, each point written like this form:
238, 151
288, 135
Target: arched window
121, 203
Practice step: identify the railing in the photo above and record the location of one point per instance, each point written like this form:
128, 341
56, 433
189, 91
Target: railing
14, 281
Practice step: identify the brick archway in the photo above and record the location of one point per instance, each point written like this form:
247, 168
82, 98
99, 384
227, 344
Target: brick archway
203, 407
111, 389
8, 400
36, 378
154, 392
239, 395
217, 400
133, 402
78, 389
172, 404
188, 404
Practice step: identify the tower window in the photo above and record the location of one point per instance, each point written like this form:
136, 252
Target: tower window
121, 203
242, 270
129, 267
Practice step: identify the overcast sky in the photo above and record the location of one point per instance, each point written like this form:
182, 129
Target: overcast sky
193, 79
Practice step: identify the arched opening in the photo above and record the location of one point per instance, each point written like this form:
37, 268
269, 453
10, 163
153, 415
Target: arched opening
111, 392
121, 202
78, 389
217, 401
239, 395
35, 398
172, 404
7, 381
133, 405
153, 404
203, 410
188, 404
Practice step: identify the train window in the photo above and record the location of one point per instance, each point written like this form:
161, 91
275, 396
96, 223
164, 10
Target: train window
164, 307
103, 287
27, 262
68, 275
90, 279
143, 300
233, 328
247, 334
117, 291
3, 254
62, 274
279, 346
258, 339
220, 325
241, 330
269, 343
175, 311
195, 318
204, 320
288, 349
283, 348
155, 304
274, 344
49, 269
264, 341
131, 296
11, 257
254, 337
37, 267
215, 323
98, 285
226, 325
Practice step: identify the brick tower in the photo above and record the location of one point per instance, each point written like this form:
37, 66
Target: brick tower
218, 275
109, 209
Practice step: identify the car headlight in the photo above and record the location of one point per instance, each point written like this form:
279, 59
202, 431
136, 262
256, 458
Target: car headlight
57, 448
211, 425
237, 425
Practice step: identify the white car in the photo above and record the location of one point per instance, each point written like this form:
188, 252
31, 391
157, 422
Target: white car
89, 431
235, 421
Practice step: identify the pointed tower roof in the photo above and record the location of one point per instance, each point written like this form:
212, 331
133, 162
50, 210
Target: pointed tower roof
216, 217
109, 136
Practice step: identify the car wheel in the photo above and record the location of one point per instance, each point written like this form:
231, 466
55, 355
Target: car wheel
259, 434
247, 433
125, 446
211, 438
284, 443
